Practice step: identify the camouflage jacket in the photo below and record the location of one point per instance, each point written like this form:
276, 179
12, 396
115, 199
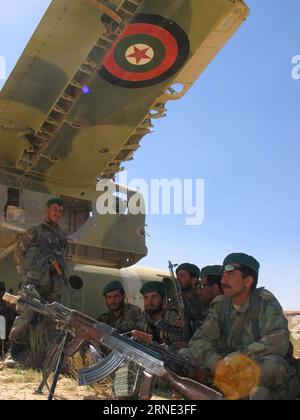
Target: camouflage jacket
125, 321
159, 336
196, 310
34, 251
210, 342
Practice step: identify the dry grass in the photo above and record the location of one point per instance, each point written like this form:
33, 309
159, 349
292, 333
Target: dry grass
18, 384
102, 389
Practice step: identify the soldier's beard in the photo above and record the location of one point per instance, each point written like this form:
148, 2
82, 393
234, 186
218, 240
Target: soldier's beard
186, 287
116, 307
51, 222
154, 310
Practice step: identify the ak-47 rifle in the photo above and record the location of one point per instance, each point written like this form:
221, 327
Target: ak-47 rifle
87, 330
164, 326
180, 364
174, 296
61, 275
50, 256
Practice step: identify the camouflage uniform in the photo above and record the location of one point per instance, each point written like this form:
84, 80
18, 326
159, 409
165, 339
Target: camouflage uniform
159, 336
33, 254
126, 319
196, 310
214, 341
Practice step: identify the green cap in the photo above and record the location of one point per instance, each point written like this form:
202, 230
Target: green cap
244, 259
192, 269
153, 286
211, 270
113, 285
55, 200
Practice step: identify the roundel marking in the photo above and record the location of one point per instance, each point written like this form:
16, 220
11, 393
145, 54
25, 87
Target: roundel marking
148, 52
139, 54
142, 46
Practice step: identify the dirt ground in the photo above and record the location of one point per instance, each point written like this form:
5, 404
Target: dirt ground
19, 384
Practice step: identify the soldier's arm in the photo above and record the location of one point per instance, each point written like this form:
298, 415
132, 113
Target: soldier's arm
203, 344
128, 322
28, 239
103, 318
273, 328
140, 323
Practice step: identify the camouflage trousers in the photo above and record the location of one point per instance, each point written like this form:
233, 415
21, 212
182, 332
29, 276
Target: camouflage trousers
20, 330
278, 380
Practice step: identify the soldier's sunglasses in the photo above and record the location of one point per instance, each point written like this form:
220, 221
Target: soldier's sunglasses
228, 268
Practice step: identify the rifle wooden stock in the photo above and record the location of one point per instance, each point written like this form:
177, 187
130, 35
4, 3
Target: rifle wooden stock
86, 331
198, 374
189, 388
146, 386
62, 276
57, 267
142, 336
13, 300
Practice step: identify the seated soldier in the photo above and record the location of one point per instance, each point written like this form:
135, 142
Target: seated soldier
154, 311
245, 342
209, 286
149, 322
121, 315
188, 276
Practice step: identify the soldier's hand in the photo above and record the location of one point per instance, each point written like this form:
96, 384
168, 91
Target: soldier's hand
177, 323
234, 360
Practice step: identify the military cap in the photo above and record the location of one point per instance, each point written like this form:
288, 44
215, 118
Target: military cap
55, 200
113, 285
211, 270
192, 269
244, 259
153, 286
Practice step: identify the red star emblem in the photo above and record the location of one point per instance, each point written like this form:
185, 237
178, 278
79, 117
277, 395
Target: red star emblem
139, 54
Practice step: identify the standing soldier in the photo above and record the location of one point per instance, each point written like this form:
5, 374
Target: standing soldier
245, 341
40, 258
121, 315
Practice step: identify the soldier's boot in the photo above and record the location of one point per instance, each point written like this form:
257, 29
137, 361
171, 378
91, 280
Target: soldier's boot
11, 359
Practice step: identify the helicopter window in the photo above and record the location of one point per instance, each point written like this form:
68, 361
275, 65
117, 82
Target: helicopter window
76, 282
13, 197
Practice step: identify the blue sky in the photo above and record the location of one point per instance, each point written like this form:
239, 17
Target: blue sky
238, 128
